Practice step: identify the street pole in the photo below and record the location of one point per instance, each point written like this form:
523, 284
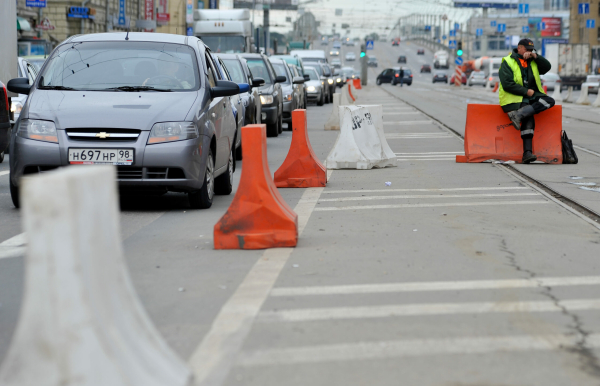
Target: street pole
484, 37
363, 65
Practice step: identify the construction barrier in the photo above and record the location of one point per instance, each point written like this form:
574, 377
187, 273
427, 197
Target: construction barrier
489, 134
359, 145
301, 168
545, 89
356, 83
583, 95
496, 87
333, 123
258, 217
81, 322
556, 95
569, 98
350, 93
376, 112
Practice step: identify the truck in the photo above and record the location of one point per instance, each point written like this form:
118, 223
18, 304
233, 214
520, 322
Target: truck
224, 31
440, 59
570, 61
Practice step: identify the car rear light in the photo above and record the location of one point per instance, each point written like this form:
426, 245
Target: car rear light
3, 90
558, 81
397, 75
490, 79
411, 75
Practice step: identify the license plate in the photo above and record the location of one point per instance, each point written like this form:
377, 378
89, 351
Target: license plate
101, 156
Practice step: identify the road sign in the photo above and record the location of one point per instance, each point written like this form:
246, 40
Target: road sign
189, 31
452, 44
523, 8
35, 3
452, 33
456, 26
501, 27
444, 37
45, 25
370, 44
459, 60
525, 29
590, 23
493, 23
507, 39
541, 26
583, 8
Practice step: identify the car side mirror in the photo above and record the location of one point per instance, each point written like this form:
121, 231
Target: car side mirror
257, 82
244, 87
19, 86
306, 77
280, 79
224, 88
298, 80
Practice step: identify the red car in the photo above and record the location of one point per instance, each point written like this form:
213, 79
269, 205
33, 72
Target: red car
463, 80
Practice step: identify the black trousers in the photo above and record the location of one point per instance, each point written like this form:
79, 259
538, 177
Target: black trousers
539, 104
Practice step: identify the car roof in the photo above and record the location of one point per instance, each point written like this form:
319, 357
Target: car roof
228, 56
132, 36
252, 56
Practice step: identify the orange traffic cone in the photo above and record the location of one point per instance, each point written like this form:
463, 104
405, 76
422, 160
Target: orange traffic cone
258, 217
301, 168
357, 84
350, 92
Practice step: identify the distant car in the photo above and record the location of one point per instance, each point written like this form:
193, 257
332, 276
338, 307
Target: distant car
339, 79
350, 56
440, 77
476, 78
401, 59
392, 75
463, 79
420, 51
336, 63
300, 87
372, 61
323, 74
426, 68
347, 73
350, 43
552, 80
315, 89
334, 53
395, 42
324, 42
492, 79
337, 44
291, 97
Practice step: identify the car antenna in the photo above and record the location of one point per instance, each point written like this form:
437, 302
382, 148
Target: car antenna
128, 28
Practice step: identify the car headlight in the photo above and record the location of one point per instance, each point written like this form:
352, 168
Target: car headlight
339, 80
38, 130
172, 131
16, 107
266, 99
287, 97
330, 81
310, 88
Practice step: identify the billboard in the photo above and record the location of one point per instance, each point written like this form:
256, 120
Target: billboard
486, 4
288, 5
553, 27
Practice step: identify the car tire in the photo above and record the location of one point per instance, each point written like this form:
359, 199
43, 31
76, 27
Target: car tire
203, 198
320, 102
378, 82
280, 124
224, 183
14, 193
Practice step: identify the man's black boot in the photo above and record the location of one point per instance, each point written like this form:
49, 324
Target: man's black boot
528, 155
517, 116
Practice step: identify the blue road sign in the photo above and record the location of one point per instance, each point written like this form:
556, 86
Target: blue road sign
459, 60
370, 44
189, 31
541, 26
456, 26
523, 8
479, 32
583, 8
501, 27
439, 40
525, 29
452, 44
444, 37
122, 20
452, 33
590, 23
35, 3
493, 23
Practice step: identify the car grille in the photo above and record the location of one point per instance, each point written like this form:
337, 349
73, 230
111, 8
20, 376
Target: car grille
136, 173
103, 135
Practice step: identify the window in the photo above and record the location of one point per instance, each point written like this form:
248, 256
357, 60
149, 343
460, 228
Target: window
234, 68
212, 79
280, 71
258, 68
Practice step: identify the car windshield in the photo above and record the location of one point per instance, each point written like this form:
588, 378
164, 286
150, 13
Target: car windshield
280, 71
318, 69
126, 65
225, 44
312, 74
258, 68
235, 70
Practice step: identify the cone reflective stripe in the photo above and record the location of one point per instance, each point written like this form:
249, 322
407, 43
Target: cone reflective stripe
333, 123
81, 322
356, 83
350, 93
345, 98
301, 168
489, 134
258, 217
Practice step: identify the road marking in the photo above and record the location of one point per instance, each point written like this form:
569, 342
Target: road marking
436, 286
4, 173
213, 358
370, 198
435, 205
427, 190
409, 123
13, 247
333, 313
413, 348
426, 159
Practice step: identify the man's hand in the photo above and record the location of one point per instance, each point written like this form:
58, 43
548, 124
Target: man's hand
530, 92
529, 54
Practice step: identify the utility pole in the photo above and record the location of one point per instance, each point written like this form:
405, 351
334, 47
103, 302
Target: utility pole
363, 65
266, 27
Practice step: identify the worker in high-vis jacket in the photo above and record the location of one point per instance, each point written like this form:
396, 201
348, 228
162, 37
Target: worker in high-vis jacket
521, 92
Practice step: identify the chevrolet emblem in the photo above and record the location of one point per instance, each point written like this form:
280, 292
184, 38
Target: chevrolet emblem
102, 135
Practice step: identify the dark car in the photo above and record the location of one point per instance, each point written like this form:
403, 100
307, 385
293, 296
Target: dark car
392, 75
395, 42
420, 51
425, 68
440, 77
401, 59
4, 120
271, 96
372, 61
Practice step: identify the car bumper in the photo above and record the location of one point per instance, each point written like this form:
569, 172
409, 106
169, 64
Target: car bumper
174, 166
287, 112
314, 95
270, 114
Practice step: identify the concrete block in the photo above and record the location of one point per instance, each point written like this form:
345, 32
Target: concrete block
333, 123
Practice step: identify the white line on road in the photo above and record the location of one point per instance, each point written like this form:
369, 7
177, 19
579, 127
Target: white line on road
13, 247
409, 123
213, 358
413, 348
427, 190
4, 173
436, 286
436, 205
481, 195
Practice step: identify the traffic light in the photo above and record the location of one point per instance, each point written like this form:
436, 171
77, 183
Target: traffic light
363, 50
459, 50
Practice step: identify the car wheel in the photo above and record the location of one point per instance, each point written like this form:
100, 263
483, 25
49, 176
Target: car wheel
320, 102
224, 183
14, 193
203, 198
280, 124
378, 82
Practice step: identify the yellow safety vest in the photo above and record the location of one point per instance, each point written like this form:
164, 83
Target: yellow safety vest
507, 98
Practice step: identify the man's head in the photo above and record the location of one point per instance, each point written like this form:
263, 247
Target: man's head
524, 46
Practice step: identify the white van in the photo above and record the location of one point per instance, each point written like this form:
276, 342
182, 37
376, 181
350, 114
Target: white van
310, 55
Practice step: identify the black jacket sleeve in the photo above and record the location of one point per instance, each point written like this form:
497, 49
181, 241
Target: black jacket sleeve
508, 81
543, 64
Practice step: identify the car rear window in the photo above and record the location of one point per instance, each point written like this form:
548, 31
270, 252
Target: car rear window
280, 71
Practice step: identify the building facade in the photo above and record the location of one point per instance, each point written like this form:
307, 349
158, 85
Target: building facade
579, 32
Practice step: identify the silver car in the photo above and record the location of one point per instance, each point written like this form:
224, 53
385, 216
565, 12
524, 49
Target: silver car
291, 97
314, 86
150, 104
477, 78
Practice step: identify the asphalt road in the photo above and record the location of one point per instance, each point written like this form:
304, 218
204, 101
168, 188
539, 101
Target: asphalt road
456, 274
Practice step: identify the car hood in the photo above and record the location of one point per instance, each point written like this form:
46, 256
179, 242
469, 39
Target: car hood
266, 89
314, 83
137, 110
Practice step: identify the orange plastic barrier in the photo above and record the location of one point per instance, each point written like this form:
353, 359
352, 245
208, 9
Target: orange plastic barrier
545, 89
356, 83
258, 217
489, 134
496, 86
301, 168
350, 92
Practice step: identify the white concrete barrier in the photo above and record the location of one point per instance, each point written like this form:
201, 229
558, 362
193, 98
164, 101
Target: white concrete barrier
556, 95
345, 98
333, 123
81, 322
377, 119
596, 102
569, 98
583, 95
359, 144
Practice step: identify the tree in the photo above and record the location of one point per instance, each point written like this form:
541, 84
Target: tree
372, 36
